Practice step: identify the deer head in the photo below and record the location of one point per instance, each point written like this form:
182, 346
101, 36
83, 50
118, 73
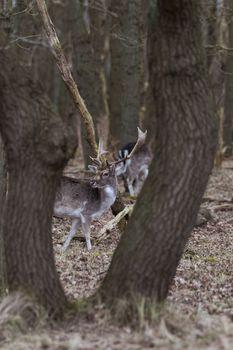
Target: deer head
102, 164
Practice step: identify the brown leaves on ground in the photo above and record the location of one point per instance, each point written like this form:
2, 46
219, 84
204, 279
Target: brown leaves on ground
199, 312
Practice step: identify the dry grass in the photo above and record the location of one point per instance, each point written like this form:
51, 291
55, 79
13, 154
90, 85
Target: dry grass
18, 315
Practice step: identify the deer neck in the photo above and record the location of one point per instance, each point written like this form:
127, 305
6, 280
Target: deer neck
107, 198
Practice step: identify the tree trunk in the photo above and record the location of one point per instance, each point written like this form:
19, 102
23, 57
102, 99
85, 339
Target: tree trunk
228, 101
3, 285
6, 24
61, 14
149, 123
145, 261
214, 19
126, 49
38, 144
98, 17
87, 65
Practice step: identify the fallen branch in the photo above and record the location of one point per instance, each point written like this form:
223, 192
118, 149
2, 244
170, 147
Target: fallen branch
66, 73
113, 223
222, 207
219, 200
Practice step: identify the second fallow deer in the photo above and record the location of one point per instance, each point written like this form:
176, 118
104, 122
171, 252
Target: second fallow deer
86, 200
135, 169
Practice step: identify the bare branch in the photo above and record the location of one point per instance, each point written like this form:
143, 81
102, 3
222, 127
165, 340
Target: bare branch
66, 73
218, 47
111, 225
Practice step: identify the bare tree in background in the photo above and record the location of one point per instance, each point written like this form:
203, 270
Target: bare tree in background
5, 13
126, 49
2, 203
227, 127
149, 120
217, 27
88, 39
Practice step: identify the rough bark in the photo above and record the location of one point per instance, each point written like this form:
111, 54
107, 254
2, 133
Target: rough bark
126, 49
38, 144
147, 256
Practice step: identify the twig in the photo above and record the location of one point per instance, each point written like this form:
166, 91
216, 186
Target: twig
219, 200
112, 223
222, 207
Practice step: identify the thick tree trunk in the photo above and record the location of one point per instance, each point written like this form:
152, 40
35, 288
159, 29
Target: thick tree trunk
126, 48
38, 144
146, 259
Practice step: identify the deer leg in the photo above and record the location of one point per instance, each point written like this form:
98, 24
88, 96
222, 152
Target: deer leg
125, 183
139, 180
86, 224
143, 174
73, 229
130, 187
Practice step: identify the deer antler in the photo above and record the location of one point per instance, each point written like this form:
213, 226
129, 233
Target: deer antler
98, 161
140, 141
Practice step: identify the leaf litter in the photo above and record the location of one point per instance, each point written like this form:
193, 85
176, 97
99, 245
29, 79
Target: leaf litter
199, 310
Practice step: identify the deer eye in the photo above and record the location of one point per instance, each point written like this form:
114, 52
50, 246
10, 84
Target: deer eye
105, 174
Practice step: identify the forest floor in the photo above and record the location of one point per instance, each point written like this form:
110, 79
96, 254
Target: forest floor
199, 310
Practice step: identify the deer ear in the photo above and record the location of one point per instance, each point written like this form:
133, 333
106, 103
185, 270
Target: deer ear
93, 168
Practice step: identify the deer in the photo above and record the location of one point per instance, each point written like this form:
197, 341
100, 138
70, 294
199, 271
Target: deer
84, 200
134, 170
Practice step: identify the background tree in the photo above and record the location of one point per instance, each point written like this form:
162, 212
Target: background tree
149, 120
228, 101
88, 49
217, 27
2, 202
5, 13
126, 51
147, 256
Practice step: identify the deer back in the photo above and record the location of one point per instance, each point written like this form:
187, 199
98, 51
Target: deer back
91, 198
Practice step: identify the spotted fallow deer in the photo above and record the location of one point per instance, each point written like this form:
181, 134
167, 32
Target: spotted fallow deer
86, 200
135, 169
